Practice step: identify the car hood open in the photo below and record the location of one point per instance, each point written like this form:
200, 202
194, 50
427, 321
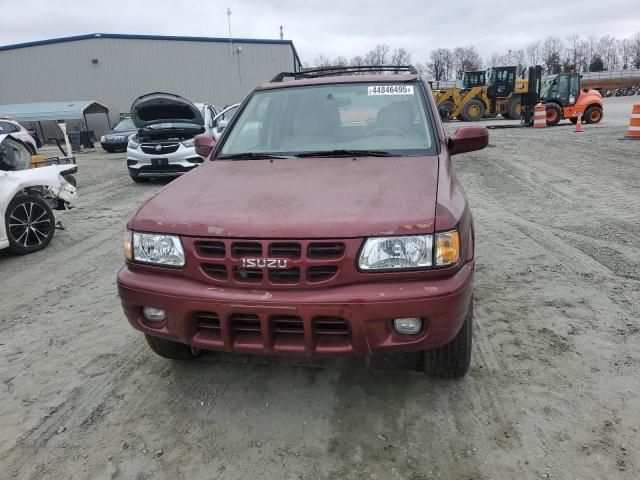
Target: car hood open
160, 107
298, 198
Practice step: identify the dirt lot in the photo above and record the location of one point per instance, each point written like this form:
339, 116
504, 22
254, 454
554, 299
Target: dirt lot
553, 391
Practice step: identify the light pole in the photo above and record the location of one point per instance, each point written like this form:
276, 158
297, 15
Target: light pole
229, 23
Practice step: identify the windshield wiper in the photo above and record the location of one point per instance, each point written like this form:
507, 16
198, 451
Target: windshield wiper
345, 153
249, 156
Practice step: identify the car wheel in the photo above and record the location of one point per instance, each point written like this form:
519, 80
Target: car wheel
172, 350
473, 110
593, 114
554, 114
30, 224
515, 107
453, 359
445, 109
109, 149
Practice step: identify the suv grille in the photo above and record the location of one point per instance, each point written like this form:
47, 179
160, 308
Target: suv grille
266, 263
285, 333
152, 148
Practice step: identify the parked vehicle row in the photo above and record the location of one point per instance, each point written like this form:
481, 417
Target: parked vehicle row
158, 137
619, 92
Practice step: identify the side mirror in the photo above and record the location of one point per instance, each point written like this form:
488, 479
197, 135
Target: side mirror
468, 139
204, 144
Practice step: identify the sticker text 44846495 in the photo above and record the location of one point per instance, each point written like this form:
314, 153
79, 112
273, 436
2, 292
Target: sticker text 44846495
390, 90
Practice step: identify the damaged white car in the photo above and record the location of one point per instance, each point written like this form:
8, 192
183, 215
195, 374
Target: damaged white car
28, 196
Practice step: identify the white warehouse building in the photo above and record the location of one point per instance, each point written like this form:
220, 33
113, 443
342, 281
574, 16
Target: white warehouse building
114, 69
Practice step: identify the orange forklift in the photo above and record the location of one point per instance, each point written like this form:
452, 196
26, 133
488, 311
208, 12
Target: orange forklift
562, 97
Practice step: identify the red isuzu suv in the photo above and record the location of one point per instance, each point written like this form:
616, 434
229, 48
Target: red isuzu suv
327, 220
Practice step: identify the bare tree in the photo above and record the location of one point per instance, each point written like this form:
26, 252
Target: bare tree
322, 61
518, 59
624, 50
378, 56
357, 61
440, 65
608, 52
340, 62
592, 49
635, 50
533, 53
465, 59
400, 57
551, 54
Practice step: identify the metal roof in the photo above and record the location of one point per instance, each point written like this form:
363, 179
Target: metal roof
123, 36
71, 110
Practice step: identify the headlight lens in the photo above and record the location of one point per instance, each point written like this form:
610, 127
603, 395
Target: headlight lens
395, 253
157, 249
133, 144
102, 138
189, 143
447, 248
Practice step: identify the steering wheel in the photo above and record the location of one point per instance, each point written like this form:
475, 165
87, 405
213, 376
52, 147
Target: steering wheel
394, 131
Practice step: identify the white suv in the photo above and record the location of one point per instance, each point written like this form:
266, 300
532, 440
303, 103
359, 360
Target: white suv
164, 144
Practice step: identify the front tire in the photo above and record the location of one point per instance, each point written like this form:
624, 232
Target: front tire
172, 350
593, 114
473, 110
453, 359
554, 114
515, 108
29, 223
445, 109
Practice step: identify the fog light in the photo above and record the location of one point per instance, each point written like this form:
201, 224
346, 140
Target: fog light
154, 314
408, 326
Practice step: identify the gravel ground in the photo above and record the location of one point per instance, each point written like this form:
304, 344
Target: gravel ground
553, 390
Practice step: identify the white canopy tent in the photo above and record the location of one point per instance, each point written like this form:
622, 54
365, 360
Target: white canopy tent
53, 111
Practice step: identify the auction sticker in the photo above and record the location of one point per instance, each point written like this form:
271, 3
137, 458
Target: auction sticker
390, 90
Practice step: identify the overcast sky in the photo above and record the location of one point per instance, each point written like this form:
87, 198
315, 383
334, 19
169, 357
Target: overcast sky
330, 27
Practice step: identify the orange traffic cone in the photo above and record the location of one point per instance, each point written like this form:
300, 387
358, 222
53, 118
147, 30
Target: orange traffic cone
579, 127
634, 124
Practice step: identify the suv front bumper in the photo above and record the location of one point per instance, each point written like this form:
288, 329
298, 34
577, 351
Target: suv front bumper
172, 164
294, 322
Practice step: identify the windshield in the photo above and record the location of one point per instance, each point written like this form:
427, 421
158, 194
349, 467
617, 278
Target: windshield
548, 89
380, 117
124, 125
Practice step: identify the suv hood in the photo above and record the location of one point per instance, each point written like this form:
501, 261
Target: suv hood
159, 107
297, 198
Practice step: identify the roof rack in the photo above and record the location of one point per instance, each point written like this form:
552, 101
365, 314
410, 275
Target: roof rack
330, 71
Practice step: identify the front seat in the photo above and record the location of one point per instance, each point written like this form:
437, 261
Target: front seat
315, 124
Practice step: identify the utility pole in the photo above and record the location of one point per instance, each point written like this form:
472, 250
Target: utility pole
281, 34
229, 23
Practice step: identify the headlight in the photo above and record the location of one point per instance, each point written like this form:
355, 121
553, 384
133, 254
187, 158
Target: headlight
133, 144
447, 248
396, 253
189, 143
102, 139
154, 248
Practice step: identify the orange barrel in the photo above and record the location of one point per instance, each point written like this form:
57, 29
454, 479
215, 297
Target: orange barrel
37, 160
539, 116
634, 123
